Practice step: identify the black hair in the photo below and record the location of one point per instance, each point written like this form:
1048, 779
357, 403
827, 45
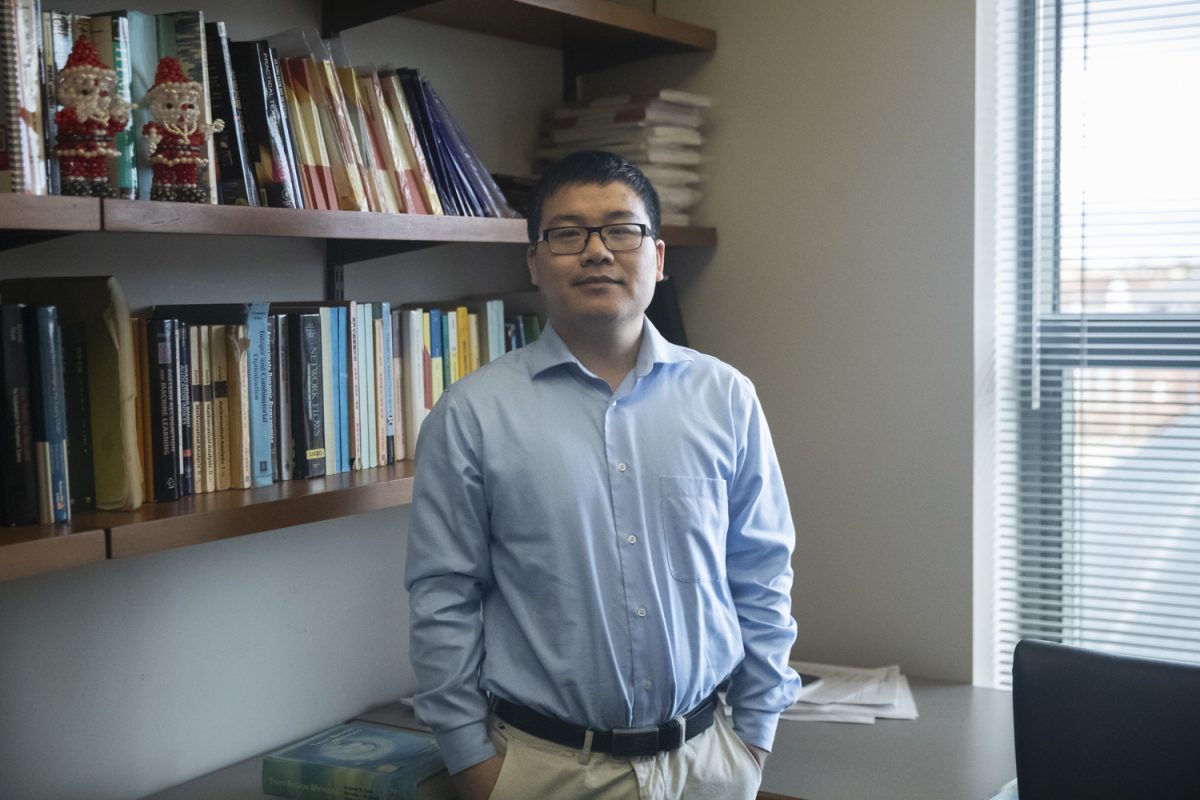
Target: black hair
591, 167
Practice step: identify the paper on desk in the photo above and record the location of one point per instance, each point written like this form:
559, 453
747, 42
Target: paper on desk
846, 694
850, 684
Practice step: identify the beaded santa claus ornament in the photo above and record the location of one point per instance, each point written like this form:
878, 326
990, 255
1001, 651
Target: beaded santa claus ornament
91, 116
177, 140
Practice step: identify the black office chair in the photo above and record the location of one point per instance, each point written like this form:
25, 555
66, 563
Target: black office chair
1097, 726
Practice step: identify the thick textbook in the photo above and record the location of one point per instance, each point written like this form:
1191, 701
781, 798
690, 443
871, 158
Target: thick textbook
359, 761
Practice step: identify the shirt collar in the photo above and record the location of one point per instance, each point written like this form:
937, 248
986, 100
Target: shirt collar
551, 351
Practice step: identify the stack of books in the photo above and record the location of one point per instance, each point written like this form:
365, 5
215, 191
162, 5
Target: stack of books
107, 408
303, 128
659, 130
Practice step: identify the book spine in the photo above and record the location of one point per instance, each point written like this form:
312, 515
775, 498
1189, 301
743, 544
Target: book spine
163, 420
237, 350
190, 431
220, 401
123, 173
463, 334
48, 406
142, 380
410, 140
355, 388
450, 346
328, 411
81, 479
367, 328
260, 406
436, 372
17, 461
206, 409
381, 384
283, 397
307, 412
143, 61
395, 428
187, 38
343, 390
235, 182
413, 377
275, 90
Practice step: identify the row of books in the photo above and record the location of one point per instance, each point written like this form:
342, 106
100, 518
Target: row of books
300, 131
105, 409
659, 130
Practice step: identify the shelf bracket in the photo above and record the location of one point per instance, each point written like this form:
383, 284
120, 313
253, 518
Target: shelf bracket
335, 274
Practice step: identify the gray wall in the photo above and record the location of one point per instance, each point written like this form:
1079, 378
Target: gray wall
841, 164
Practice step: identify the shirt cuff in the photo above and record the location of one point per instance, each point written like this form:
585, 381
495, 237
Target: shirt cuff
755, 727
465, 747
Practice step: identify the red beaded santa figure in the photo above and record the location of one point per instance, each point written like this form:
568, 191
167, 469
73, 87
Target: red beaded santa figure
176, 139
91, 116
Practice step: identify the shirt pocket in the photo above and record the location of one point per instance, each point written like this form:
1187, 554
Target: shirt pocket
695, 515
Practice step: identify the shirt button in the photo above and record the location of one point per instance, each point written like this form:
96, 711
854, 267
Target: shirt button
641, 612
613, 404
631, 539
621, 467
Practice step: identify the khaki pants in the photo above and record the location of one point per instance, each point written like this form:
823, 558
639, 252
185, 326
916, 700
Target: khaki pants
715, 765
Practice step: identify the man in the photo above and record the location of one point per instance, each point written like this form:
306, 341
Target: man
600, 536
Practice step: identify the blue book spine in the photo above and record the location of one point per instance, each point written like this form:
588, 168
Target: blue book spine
371, 428
363, 314
333, 427
261, 394
447, 351
435, 352
343, 376
389, 398
54, 410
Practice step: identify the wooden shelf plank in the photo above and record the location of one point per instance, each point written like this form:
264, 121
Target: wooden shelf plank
689, 236
37, 549
23, 212
131, 216
222, 515
567, 24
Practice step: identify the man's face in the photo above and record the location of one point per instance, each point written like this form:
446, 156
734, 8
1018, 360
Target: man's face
597, 285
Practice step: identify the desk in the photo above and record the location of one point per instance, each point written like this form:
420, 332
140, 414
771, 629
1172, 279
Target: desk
960, 748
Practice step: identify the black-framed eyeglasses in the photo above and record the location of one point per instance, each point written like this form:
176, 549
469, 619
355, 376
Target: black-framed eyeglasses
617, 237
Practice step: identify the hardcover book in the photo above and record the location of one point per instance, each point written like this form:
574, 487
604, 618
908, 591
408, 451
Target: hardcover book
235, 180
18, 471
97, 304
266, 137
359, 761
48, 413
307, 403
163, 420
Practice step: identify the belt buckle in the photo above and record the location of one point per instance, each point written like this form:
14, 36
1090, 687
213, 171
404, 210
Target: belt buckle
650, 740
629, 742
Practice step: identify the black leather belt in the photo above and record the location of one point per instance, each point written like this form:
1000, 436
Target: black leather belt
622, 742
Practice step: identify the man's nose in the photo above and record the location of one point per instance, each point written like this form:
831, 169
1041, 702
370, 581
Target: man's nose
591, 251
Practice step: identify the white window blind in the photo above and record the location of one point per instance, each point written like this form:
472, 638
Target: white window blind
1097, 472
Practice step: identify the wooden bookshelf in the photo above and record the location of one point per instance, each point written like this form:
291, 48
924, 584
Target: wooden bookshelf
210, 517
36, 549
623, 32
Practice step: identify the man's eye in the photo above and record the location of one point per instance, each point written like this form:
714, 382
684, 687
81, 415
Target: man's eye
566, 236
623, 230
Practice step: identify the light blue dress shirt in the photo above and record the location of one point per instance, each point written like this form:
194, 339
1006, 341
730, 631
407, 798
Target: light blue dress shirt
607, 558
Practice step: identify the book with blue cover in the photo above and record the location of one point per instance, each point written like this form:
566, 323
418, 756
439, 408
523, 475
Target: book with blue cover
359, 761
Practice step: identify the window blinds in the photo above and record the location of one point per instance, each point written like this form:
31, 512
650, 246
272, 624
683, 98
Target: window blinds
1097, 434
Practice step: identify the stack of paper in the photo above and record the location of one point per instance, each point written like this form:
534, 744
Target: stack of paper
848, 694
658, 129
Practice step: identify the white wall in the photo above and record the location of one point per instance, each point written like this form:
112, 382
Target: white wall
841, 168
841, 155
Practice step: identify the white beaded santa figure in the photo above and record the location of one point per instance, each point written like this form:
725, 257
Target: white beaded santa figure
92, 114
176, 139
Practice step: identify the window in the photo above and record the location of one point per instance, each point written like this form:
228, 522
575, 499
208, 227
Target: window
1096, 474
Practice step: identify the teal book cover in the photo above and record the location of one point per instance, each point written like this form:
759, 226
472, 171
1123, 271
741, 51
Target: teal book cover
359, 761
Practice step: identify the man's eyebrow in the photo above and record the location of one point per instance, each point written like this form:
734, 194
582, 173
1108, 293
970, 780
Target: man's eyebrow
575, 219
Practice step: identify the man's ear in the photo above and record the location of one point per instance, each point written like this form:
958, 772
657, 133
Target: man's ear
660, 256
531, 262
